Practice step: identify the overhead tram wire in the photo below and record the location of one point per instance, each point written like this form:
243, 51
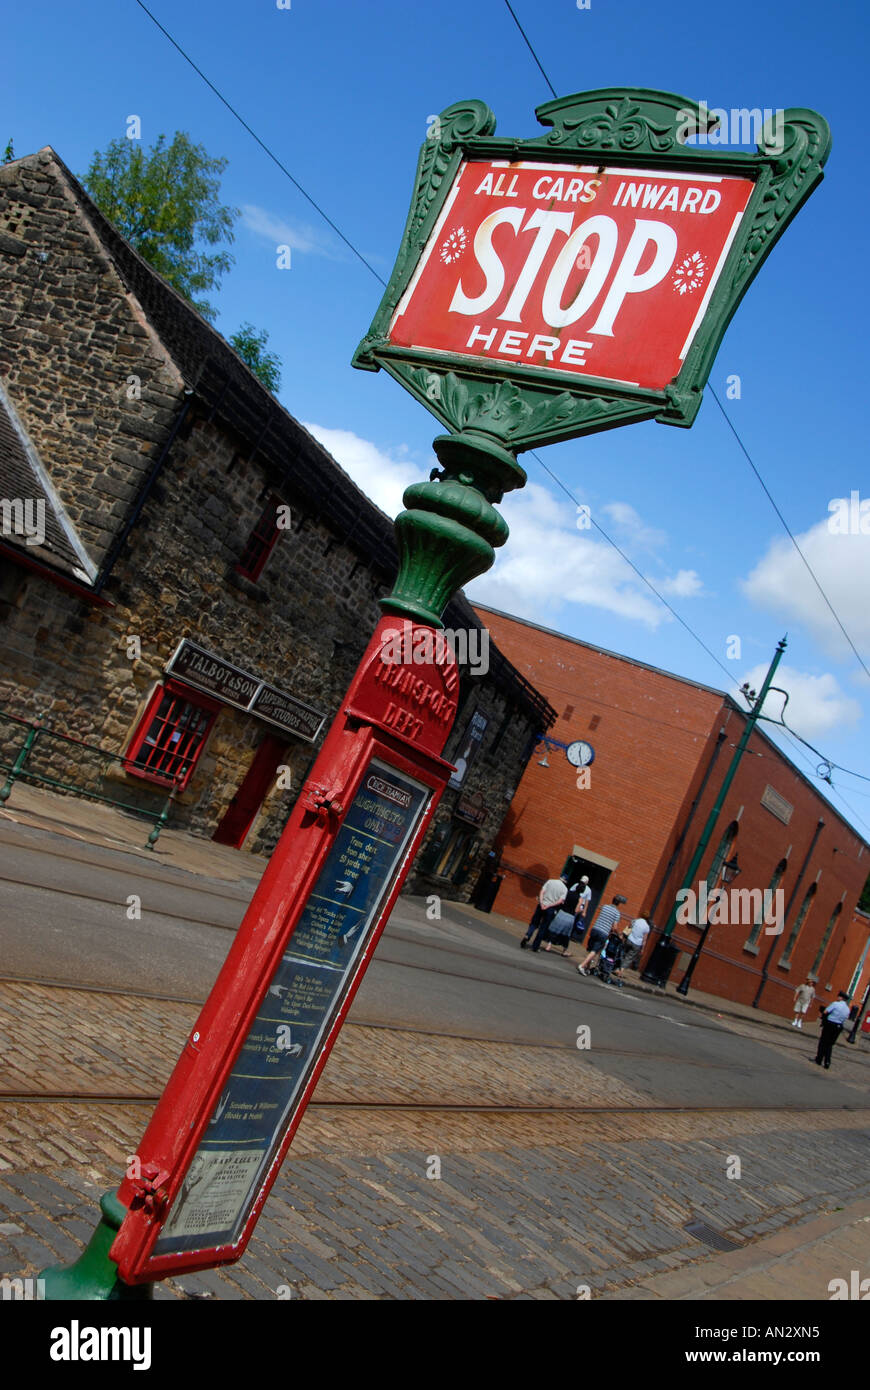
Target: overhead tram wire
263, 146
531, 49
360, 257
769, 495
850, 808
380, 279
567, 490
786, 526
633, 566
836, 790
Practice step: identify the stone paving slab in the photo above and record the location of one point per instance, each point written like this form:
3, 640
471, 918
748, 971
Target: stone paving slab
348, 1215
798, 1264
89, 822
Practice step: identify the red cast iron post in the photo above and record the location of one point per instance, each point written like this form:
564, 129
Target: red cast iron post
378, 774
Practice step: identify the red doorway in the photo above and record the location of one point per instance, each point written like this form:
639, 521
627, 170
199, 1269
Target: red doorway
239, 815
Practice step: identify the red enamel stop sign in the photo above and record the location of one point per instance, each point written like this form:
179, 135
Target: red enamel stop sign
596, 272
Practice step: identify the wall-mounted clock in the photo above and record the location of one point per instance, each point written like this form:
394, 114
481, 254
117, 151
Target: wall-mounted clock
580, 753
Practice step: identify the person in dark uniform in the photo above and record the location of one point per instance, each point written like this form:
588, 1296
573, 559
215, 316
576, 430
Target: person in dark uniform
833, 1018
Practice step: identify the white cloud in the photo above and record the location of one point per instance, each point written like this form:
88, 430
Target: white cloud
547, 562
684, 584
381, 476
633, 527
781, 583
816, 703
298, 236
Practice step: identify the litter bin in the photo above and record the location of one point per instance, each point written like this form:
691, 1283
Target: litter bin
661, 962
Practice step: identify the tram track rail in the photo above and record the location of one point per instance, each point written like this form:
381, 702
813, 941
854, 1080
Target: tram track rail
569, 1047
445, 1107
787, 1041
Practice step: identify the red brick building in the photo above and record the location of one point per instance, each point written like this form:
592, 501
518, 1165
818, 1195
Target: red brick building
631, 819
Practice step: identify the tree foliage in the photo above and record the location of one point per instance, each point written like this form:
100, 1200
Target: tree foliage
250, 344
165, 202
864, 900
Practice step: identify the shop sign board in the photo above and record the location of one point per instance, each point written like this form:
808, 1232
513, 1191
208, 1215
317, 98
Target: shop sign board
471, 809
469, 747
205, 671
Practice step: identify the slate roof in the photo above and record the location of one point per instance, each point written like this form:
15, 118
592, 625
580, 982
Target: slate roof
24, 484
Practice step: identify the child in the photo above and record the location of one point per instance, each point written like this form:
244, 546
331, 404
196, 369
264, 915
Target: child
611, 959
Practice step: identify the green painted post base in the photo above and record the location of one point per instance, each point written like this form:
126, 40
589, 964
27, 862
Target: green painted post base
94, 1276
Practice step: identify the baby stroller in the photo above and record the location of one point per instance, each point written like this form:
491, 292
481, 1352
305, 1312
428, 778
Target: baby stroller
611, 959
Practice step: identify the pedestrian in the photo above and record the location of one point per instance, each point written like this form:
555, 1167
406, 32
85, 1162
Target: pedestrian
635, 940
833, 1018
581, 909
803, 997
550, 899
608, 917
558, 933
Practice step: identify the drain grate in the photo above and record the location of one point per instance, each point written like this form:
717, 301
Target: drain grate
715, 1239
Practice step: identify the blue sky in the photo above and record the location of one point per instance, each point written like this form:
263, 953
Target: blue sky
342, 90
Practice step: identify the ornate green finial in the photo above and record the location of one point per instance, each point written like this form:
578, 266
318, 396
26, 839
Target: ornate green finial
448, 533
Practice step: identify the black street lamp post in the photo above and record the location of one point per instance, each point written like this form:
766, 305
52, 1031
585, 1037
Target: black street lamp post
729, 872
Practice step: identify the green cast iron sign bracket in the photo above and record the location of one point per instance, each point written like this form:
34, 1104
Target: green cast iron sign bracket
511, 406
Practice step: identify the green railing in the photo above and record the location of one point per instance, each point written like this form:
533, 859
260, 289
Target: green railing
32, 752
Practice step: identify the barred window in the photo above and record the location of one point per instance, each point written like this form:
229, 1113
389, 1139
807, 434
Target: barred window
170, 737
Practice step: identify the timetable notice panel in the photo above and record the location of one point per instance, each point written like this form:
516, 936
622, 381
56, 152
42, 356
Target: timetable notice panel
255, 1108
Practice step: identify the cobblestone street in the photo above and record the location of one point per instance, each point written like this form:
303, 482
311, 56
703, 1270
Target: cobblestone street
399, 1203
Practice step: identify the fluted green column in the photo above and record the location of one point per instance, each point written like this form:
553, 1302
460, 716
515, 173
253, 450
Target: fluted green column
449, 532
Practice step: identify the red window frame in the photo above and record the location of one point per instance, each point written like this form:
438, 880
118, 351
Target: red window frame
261, 542
171, 735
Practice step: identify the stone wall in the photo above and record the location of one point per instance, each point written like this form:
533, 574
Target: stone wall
73, 336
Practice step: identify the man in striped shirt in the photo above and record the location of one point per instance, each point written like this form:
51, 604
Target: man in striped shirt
607, 919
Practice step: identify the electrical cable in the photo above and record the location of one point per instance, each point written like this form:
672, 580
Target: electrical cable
358, 254
371, 268
531, 49
263, 146
633, 566
827, 761
786, 526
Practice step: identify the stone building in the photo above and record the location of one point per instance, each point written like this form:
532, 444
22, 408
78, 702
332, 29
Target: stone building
622, 793
187, 578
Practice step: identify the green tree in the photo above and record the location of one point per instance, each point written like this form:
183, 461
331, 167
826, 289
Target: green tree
165, 202
8, 153
251, 347
864, 900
